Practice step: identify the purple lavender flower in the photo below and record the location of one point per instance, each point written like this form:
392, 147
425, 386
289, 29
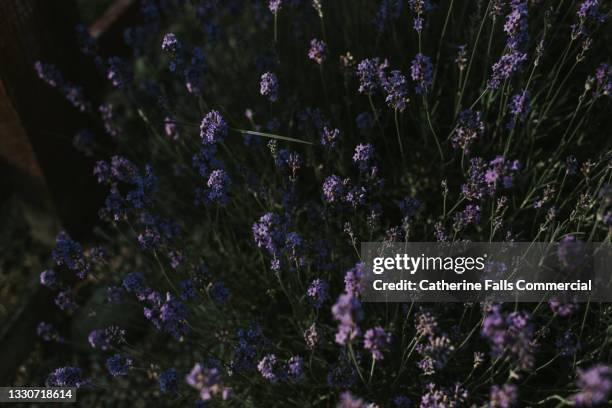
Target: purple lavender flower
269, 86
169, 314
353, 279
516, 24
118, 365
388, 12
470, 127
118, 73
49, 279
218, 182
439, 397
134, 283
376, 340
603, 78
318, 292
168, 381
49, 73
503, 69
171, 128
65, 301
363, 155
66, 377
595, 386
470, 215
317, 51
370, 71
107, 113
97, 339
275, 5
510, 333
421, 73
70, 253
171, 43
333, 189
502, 397
348, 400
267, 367
519, 107
329, 137
48, 332
295, 368
269, 233
396, 87
347, 312
213, 128
207, 380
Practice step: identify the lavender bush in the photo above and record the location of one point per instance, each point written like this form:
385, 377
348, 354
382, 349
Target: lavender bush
255, 144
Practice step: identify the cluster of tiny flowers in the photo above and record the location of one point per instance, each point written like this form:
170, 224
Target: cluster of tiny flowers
53, 77
503, 69
269, 86
595, 386
213, 128
208, 382
470, 127
370, 71
519, 107
376, 340
421, 73
318, 292
396, 86
317, 51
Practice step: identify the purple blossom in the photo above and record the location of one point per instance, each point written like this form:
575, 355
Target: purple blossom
363, 155
318, 292
172, 129
267, 367
171, 43
169, 314
317, 51
118, 365
388, 12
269, 86
70, 253
396, 87
353, 279
376, 340
348, 400
370, 71
470, 215
66, 377
503, 69
275, 5
421, 73
333, 189
118, 73
470, 127
295, 368
213, 128
49, 279
65, 301
516, 24
595, 386
218, 182
168, 381
269, 233
511, 334
519, 107
439, 397
329, 137
603, 78
208, 381
503, 397
347, 312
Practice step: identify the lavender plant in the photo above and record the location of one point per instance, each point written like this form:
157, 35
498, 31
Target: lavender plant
250, 146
